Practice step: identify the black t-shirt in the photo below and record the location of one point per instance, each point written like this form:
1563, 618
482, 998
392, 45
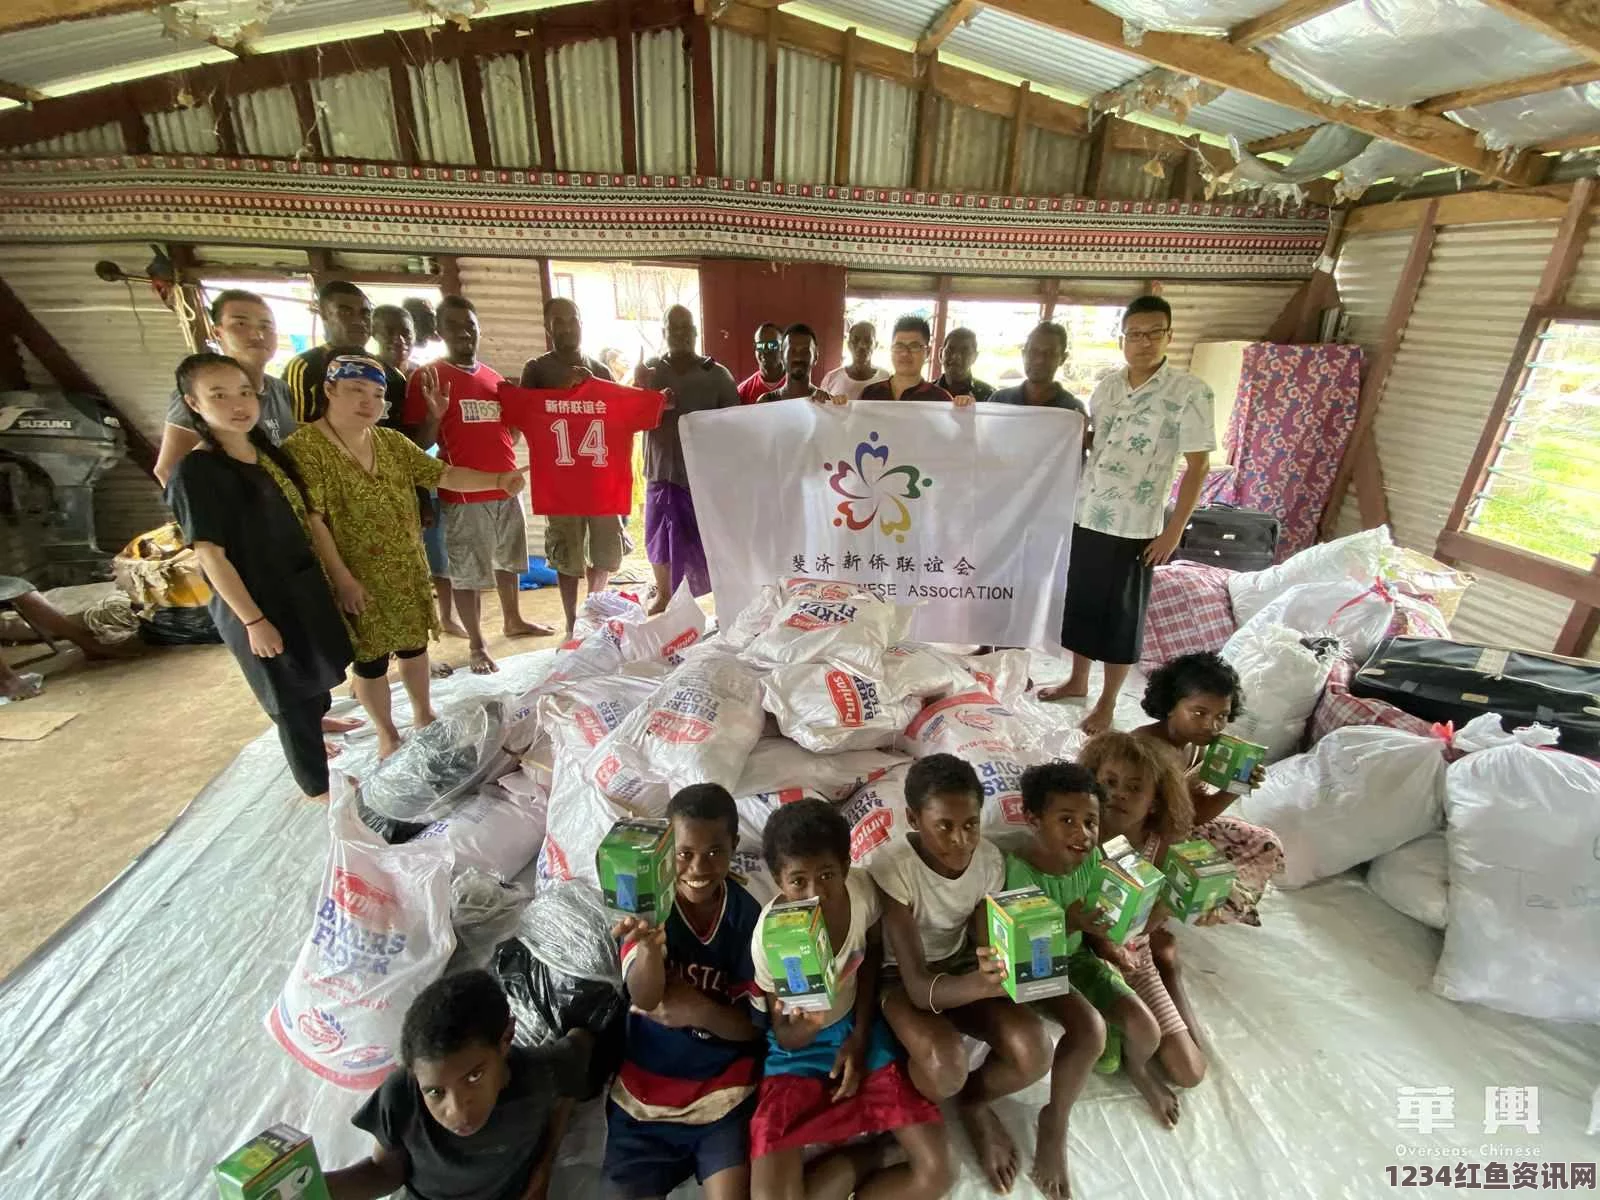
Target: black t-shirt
496, 1162
306, 373
1060, 398
977, 389
550, 372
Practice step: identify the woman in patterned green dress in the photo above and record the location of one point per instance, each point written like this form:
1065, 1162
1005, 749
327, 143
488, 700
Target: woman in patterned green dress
362, 482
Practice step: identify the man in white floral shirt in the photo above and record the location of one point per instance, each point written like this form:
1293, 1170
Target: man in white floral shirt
1141, 419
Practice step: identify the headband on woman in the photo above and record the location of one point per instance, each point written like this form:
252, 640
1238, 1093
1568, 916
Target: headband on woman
356, 366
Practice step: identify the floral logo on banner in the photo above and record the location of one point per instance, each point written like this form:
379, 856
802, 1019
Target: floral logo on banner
873, 491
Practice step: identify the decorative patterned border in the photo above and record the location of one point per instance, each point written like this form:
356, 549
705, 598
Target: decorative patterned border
526, 213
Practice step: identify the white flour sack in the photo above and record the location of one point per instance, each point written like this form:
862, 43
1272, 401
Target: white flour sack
1415, 879
826, 709
974, 726
1523, 834
380, 935
579, 818
777, 764
667, 635
583, 712
850, 631
698, 727
754, 619
495, 831
599, 607
1282, 681
754, 811
1001, 673
1359, 556
877, 814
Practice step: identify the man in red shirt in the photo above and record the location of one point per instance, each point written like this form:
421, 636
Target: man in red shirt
769, 374
485, 533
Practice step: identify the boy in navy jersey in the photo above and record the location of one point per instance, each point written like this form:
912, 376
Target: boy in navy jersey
682, 1100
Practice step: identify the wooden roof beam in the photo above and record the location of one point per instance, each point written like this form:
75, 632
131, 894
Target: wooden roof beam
1569, 23
25, 14
947, 22
15, 91
1282, 141
1249, 72
1286, 16
1511, 89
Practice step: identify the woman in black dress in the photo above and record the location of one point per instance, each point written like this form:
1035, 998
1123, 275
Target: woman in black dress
241, 504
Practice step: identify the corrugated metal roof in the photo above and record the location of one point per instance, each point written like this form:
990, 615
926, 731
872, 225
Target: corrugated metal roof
355, 114
808, 92
1245, 116
969, 150
883, 138
1367, 274
1585, 287
508, 111
1221, 312
65, 57
907, 19
268, 123
664, 103
738, 70
585, 106
1025, 49
1052, 163
183, 131
440, 113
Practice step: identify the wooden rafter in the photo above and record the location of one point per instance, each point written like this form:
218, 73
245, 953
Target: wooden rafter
1286, 16
1573, 141
1511, 89
25, 14
15, 91
1564, 20
405, 112
1480, 207
539, 81
1282, 141
627, 102
1094, 169
927, 126
946, 23
845, 115
477, 115
705, 97
1249, 72
769, 99
1019, 134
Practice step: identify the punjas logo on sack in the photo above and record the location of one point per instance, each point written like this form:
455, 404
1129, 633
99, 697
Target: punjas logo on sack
875, 492
362, 900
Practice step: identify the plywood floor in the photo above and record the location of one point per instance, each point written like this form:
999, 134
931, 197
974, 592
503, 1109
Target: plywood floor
85, 801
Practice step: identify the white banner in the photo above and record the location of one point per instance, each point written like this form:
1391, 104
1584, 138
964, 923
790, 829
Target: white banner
966, 513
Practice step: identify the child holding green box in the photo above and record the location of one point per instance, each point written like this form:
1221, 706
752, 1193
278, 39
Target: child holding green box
1062, 860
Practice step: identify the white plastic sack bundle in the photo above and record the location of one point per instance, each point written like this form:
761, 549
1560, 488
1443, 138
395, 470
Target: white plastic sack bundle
668, 634
974, 726
777, 764
598, 654
877, 814
750, 869
599, 607
1001, 673
584, 711
1415, 880
1356, 611
827, 710
852, 632
494, 831
484, 911
754, 810
380, 935
697, 727
1524, 933
1282, 680
754, 619
580, 817
915, 669
1360, 792
1359, 556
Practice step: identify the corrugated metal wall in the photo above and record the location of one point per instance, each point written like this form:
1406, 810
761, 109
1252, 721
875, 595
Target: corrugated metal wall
970, 147
183, 131
508, 111
1219, 312
102, 139
883, 137
585, 107
355, 114
808, 93
664, 103
267, 123
1130, 175
1052, 163
440, 113
128, 344
1585, 288
738, 69
509, 296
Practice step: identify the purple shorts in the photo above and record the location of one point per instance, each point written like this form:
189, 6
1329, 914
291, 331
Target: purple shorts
672, 535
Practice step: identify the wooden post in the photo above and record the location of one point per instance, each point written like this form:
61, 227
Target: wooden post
196, 324
703, 81
222, 119
1374, 506
1019, 128
477, 118
1577, 635
1095, 166
769, 102
306, 113
941, 321
12, 377
625, 88
449, 275
135, 133
405, 112
927, 120
543, 122
1052, 293
846, 116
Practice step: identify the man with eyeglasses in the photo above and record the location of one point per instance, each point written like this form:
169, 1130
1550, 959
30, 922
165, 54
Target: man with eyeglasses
769, 373
908, 354
1142, 418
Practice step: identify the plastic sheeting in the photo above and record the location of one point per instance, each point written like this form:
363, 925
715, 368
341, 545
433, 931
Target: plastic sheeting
136, 1056
1211, 17
1530, 120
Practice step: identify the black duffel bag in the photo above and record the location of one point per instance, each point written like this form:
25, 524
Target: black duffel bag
1221, 535
1440, 680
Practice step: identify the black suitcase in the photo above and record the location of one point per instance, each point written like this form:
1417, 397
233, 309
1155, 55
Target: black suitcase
1240, 539
1439, 680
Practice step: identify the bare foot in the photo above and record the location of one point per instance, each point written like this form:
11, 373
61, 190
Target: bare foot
387, 745
451, 629
322, 799
658, 605
514, 629
332, 749
1049, 1172
341, 724
1156, 1094
423, 721
996, 1152
1072, 689
17, 687
440, 670
481, 663
1099, 718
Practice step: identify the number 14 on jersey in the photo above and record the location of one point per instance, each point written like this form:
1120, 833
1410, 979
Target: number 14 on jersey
592, 447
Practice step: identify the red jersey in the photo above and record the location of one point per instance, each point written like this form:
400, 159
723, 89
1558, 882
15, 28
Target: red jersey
471, 433
755, 387
580, 444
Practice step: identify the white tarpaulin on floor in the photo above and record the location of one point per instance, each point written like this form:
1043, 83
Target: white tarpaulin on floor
962, 512
136, 1057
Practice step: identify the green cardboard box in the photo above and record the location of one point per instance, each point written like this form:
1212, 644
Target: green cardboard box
1199, 879
1028, 930
277, 1164
638, 874
800, 954
1230, 762
1130, 885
